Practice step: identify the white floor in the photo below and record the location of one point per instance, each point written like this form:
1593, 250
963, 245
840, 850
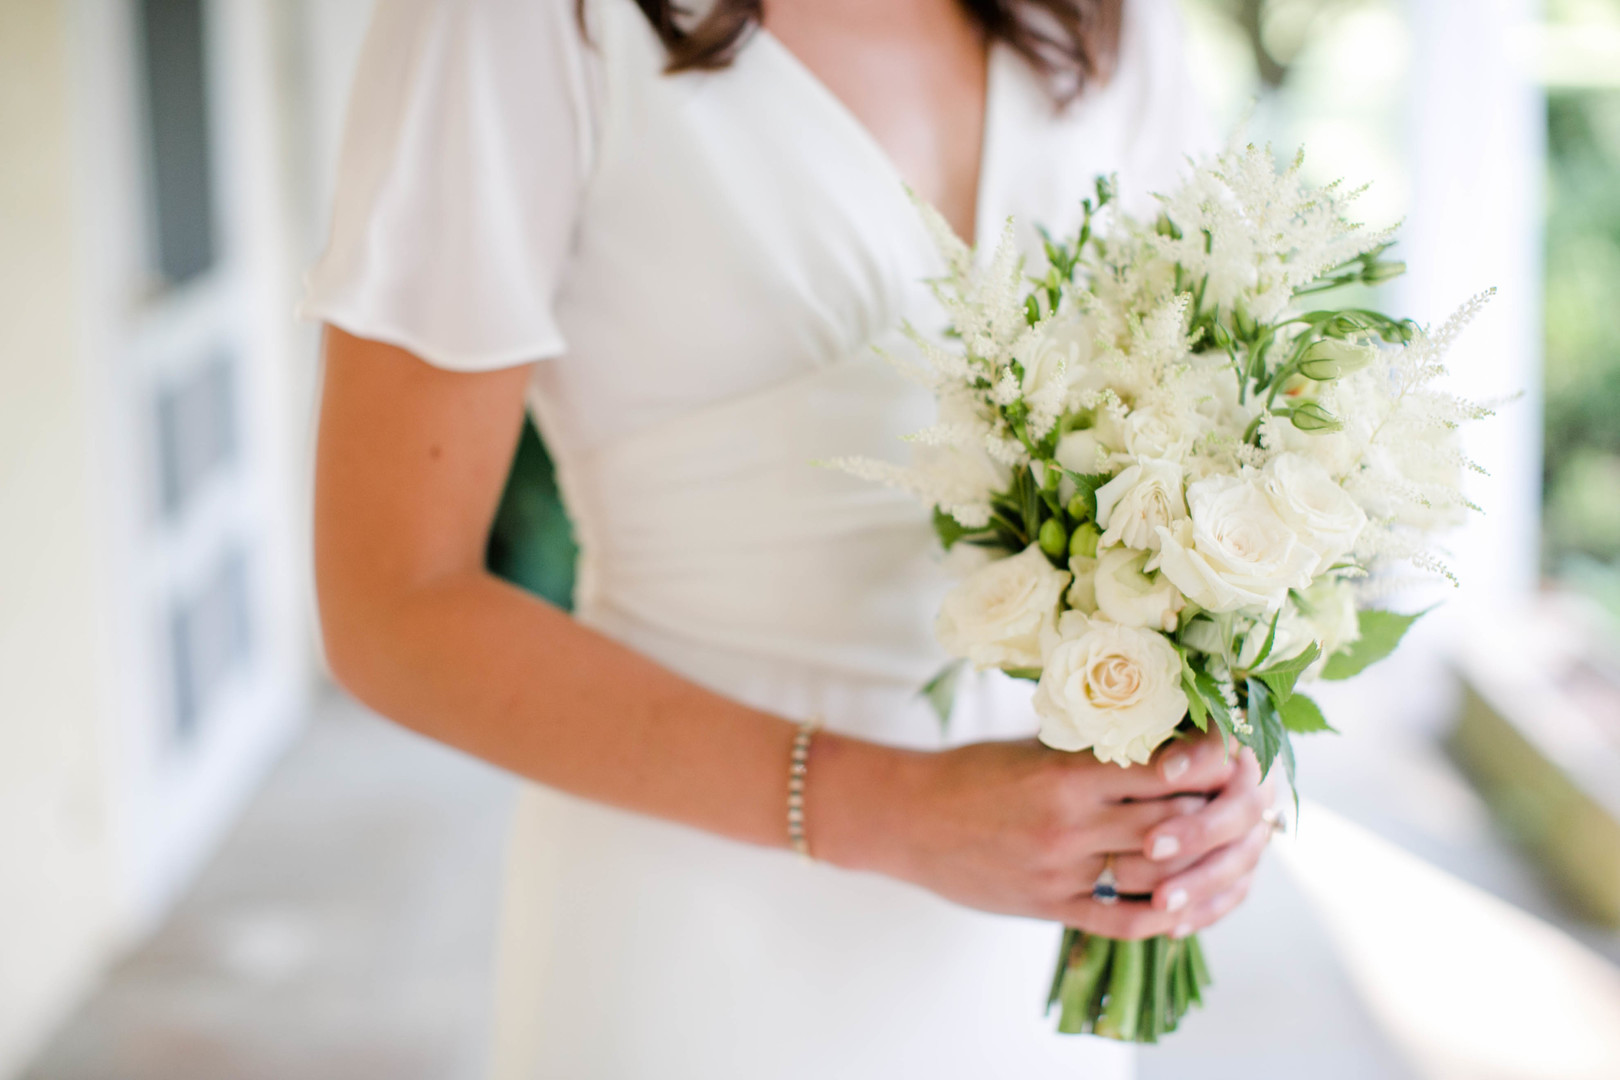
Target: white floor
344, 931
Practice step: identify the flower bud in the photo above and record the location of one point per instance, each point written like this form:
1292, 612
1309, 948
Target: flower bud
1376, 273
1331, 358
1052, 538
1311, 417
1078, 507
1083, 542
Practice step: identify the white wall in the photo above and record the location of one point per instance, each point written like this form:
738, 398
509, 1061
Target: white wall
57, 907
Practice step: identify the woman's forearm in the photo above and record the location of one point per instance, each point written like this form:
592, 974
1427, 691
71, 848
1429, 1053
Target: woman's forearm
476, 663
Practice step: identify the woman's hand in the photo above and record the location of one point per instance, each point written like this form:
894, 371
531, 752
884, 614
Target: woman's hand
1017, 828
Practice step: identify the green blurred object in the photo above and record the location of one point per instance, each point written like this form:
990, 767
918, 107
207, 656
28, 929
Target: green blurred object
1582, 442
532, 541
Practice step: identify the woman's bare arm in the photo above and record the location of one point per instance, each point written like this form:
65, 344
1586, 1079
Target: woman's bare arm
410, 464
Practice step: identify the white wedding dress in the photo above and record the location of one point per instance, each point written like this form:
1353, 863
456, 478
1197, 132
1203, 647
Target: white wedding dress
705, 262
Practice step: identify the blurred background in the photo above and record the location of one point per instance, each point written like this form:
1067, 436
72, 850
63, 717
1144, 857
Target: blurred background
213, 866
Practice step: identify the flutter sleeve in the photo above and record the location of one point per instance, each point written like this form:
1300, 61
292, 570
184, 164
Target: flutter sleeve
468, 144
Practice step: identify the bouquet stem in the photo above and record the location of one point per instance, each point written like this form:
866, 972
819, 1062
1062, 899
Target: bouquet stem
1133, 991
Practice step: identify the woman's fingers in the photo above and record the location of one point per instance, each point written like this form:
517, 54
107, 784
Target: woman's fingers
1124, 827
1127, 920
1212, 876
1182, 765
1229, 816
1213, 910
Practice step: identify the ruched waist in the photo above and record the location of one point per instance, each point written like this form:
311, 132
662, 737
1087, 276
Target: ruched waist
719, 527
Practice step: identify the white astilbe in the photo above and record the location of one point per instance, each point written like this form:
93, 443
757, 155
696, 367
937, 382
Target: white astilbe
1255, 234
945, 478
985, 306
1400, 456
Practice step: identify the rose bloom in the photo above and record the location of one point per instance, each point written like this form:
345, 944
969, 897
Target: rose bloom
1326, 518
1130, 597
1082, 451
999, 614
1233, 551
1082, 595
1114, 690
1132, 506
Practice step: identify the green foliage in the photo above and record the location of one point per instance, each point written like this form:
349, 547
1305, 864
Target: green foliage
1281, 676
531, 543
1301, 715
1265, 734
940, 691
1381, 631
1582, 439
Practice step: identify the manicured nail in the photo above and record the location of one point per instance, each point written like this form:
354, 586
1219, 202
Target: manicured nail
1174, 766
1176, 900
1182, 931
1164, 847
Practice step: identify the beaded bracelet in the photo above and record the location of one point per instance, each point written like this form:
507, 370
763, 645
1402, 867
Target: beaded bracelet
798, 766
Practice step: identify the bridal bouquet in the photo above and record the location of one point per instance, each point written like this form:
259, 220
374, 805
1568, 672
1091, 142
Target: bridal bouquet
1180, 480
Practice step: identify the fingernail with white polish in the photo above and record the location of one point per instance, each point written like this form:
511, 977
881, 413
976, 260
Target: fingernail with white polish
1176, 900
1182, 931
1174, 766
1164, 847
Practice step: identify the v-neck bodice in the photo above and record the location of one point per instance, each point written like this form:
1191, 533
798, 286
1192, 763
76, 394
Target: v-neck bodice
710, 263
860, 132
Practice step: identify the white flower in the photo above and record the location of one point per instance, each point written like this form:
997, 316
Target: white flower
1326, 518
1233, 551
1050, 362
999, 615
1082, 452
1130, 597
1155, 433
1133, 505
1329, 607
1082, 595
1294, 635
1115, 690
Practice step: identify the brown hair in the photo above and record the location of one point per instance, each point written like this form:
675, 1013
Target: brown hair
1071, 42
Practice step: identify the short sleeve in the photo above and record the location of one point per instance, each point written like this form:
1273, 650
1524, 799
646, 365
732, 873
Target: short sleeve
1167, 116
468, 142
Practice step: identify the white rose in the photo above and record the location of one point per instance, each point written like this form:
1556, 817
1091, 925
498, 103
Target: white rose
1330, 609
1082, 595
1154, 433
1133, 505
1082, 452
1130, 597
1324, 515
1115, 690
998, 616
1050, 362
1294, 635
1233, 551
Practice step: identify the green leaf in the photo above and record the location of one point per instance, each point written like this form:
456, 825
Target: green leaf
1032, 674
1381, 631
1302, 716
940, 691
1029, 501
1086, 485
1196, 709
1210, 691
949, 530
1271, 639
1281, 676
1266, 737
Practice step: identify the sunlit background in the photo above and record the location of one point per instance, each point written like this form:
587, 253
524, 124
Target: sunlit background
213, 866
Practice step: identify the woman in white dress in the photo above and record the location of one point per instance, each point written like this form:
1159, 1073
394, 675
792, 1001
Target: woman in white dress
676, 245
